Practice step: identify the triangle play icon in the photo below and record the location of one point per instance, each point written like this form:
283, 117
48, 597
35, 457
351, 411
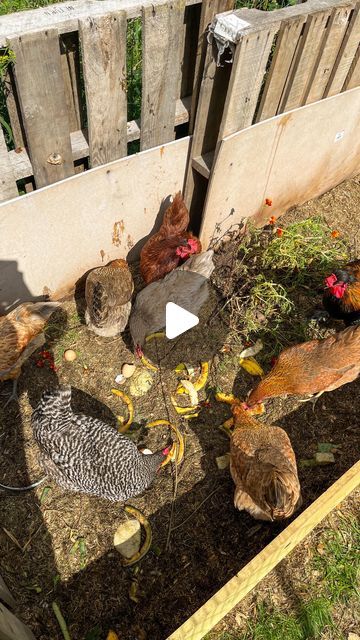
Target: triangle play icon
178, 320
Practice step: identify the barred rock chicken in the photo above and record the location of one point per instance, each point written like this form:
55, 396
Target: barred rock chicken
21, 333
85, 454
313, 367
165, 250
186, 286
108, 292
263, 468
341, 297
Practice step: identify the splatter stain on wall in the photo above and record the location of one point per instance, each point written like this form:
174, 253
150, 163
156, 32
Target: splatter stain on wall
118, 230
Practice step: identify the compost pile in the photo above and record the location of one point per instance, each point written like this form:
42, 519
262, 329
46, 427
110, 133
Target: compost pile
58, 546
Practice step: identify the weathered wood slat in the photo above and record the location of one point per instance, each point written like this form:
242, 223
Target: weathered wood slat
304, 62
8, 188
64, 17
13, 107
11, 628
103, 42
41, 93
209, 9
353, 79
287, 40
251, 57
21, 164
328, 51
346, 55
161, 36
241, 584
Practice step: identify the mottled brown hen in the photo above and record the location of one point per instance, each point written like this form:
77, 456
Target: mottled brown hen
108, 292
313, 367
263, 468
21, 333
172, 244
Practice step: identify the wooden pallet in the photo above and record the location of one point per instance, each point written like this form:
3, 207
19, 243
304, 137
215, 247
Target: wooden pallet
280, 61
69, 109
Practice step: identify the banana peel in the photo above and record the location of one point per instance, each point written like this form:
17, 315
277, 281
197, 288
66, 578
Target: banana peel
124, 426
127, 562
183, 411
201, 381
251, 366
145, 361
228, 398
193, 394
112, 635
177, 451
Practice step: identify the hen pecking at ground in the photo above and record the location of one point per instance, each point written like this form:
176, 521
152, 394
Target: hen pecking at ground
85, 454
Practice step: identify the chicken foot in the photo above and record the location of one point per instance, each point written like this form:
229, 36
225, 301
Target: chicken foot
13, 395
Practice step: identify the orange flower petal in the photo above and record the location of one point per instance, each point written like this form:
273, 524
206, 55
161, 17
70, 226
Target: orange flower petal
335, 233
268, 202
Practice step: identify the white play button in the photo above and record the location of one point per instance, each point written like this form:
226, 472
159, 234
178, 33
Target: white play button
178, 320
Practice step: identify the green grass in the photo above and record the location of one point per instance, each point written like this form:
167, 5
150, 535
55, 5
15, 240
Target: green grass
337, 559
339, 562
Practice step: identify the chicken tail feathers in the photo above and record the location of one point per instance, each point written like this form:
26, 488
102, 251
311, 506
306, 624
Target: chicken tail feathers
201, 263
176, 217
279, 494
44, 309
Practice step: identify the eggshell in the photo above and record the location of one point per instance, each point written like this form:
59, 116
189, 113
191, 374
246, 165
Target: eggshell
128, 370
70, 355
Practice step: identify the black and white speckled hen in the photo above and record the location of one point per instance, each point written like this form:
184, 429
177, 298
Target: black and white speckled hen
85, 454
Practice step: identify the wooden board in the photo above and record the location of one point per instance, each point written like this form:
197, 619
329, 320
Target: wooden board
353, 79
162, 35
346, 54
100, 215
303, 154
8, 188
209, 8
41, 93
11, 628
250, 60
328, 51
245, 580
103, 43
304, 63
64, 16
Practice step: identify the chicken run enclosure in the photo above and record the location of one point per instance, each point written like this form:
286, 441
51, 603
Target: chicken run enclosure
250, 114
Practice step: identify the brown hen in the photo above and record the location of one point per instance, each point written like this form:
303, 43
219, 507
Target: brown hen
313, 367
21, 333
108, 292
263, 468
172, 244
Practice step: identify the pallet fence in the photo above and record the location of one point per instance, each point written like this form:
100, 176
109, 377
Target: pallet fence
273, 62
69, 89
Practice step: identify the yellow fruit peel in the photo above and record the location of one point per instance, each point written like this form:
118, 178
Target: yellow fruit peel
147, 363
127, 562
200, 382
124, 426
251, 366
228, 398
180, 445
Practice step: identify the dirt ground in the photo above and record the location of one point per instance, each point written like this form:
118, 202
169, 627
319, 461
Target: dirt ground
199, 540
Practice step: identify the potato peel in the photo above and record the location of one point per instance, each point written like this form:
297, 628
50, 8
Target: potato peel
127, 562
201, 381
193, 394
124, 426
180, 444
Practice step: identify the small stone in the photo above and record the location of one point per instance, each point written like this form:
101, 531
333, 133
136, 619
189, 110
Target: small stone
70, 355
127, 538
324, 458
223, 461
140, 383
128, 370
